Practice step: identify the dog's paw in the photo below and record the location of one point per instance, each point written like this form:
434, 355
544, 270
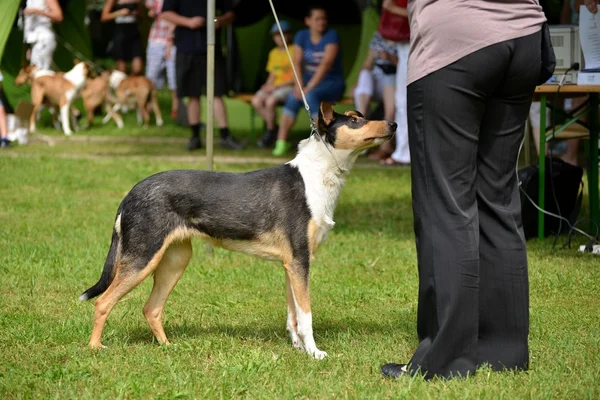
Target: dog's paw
297, 343
319, 355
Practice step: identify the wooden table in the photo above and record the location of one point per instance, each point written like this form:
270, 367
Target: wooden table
590, 107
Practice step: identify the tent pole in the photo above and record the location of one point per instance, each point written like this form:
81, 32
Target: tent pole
210, 82
210, 87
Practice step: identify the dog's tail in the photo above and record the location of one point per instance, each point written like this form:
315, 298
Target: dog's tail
108, 271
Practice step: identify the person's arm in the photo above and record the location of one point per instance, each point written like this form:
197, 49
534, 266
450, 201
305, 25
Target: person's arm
394, 9
180, 20
54, 11
268, 85
384, 55
369, 61
565, 13
331, 52
224, 20
108, 15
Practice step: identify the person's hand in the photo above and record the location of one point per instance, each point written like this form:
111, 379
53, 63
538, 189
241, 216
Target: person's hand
297, 93
591, 5
268, 88
196, 22
168, 51
123, 12
30, 11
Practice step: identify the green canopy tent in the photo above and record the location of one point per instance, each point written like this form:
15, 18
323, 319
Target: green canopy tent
72, 31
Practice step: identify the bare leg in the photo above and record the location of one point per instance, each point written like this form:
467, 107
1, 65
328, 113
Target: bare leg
220, 112
193, 110
285, 125
122, 65
270, 114
136, 66
3, 126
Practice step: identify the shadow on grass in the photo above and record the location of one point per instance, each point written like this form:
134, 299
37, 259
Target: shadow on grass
273, 331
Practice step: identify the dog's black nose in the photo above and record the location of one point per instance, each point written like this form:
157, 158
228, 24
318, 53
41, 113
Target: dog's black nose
393, 126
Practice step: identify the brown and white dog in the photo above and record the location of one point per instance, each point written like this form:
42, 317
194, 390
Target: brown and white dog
59, 90
96, 93
281, 213
133, 91
26, 75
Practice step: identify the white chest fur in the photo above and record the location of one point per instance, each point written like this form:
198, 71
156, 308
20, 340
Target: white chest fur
323, 170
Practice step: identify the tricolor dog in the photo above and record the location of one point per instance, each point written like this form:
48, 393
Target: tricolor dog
281, 213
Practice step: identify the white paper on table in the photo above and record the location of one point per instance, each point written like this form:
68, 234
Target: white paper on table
589, 36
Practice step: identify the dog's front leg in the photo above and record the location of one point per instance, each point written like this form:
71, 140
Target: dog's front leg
292, 321
64, 116
298, 275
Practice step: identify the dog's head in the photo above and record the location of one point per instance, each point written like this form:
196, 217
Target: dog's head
25, 75
351, 130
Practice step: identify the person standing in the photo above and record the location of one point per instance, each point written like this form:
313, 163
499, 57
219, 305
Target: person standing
127, 41
189, 16
470, 86
160, 52
39, 15
401, 155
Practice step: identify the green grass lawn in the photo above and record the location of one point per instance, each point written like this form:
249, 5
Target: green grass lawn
227, 315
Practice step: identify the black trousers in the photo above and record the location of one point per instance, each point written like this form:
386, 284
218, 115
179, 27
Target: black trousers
466, 122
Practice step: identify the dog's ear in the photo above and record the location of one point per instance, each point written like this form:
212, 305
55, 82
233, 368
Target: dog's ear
326, 114
353, 113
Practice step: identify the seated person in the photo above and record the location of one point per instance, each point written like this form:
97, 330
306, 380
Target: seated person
318, 62
377, 81
4, 142
279, 84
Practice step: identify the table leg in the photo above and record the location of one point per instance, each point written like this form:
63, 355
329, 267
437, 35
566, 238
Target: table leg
542, 166
593, 163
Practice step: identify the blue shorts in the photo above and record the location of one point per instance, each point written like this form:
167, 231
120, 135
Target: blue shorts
326, 90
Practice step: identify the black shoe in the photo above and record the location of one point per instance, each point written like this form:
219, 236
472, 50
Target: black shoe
268, 140
229, 142
194, 143
392, 370
5, 143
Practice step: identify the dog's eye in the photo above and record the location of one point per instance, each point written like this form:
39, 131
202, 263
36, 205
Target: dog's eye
354, 119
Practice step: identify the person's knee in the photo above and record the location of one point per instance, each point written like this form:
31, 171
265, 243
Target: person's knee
272, 102
257, 101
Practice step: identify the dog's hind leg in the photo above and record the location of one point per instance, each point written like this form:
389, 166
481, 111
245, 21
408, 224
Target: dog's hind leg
142, 101
166, 276
298, 273
127, 277
156, 108
131, 268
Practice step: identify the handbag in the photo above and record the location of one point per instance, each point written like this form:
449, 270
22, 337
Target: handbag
392, 26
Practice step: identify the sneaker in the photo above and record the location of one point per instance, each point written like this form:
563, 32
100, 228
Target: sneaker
229, 142
268, 140
281, 147
194, 143
5, 143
